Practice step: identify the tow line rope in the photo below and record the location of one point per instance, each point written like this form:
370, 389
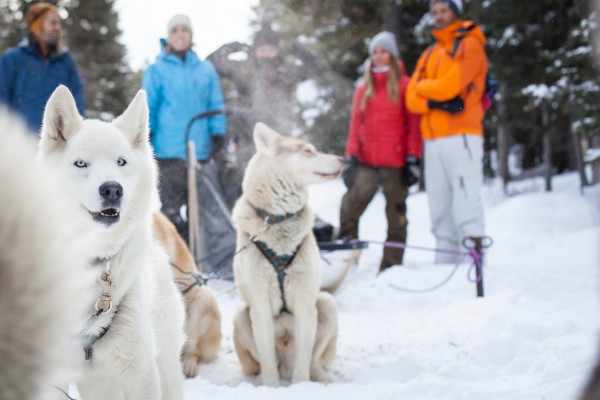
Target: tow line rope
475, 255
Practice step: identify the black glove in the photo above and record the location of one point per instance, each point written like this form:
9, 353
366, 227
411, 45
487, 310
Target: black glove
350, 170
453, 106
218, 144
411, 173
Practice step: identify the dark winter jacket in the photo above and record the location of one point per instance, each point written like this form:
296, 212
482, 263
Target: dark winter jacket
27, 80
384, 132
177, 91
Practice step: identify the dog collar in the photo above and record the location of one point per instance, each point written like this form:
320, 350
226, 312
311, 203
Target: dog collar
272, 219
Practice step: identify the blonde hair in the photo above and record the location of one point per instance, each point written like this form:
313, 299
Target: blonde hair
393, 78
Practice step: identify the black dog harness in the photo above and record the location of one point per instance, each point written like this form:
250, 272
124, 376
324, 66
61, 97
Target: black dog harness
279, 262
192, 279
87, 341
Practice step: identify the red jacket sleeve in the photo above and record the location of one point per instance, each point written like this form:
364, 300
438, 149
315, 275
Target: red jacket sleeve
353, 143
414, 142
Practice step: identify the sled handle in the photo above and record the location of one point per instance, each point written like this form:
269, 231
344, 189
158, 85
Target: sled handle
206, 114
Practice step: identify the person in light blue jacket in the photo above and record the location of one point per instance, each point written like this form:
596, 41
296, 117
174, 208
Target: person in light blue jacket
180, 86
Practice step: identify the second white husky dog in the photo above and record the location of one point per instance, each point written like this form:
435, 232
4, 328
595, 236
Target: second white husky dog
134, 335
288, 329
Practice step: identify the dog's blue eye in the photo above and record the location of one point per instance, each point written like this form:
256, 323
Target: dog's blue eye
80, 164
121, 162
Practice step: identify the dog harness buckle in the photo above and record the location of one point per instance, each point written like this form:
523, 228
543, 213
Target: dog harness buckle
104, 303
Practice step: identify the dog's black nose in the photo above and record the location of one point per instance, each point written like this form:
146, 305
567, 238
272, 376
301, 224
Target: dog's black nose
111, 190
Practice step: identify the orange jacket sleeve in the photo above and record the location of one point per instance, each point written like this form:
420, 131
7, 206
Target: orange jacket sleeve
467, 63
414, 102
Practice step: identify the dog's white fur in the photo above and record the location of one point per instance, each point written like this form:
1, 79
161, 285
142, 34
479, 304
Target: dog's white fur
43, 279
138, 357
278, 345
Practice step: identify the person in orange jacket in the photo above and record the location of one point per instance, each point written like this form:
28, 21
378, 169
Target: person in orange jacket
383, 148
446, 89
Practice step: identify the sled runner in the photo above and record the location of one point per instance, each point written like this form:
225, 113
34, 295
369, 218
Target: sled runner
211, 232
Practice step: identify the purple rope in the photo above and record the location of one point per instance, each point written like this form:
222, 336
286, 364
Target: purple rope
476, 258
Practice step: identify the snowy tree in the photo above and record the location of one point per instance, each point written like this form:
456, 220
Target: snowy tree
541, 54
337, 31
93, 36
11, 24
91, 33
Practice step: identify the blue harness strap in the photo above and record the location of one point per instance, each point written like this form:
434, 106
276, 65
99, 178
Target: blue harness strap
280, 263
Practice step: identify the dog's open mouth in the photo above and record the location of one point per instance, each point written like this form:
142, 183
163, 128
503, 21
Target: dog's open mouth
326, 175
107, 216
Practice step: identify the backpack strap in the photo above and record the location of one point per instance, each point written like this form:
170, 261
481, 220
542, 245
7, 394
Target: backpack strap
424, 67
463, 31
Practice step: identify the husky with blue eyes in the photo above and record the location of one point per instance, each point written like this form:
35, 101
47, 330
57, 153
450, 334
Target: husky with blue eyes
132, 341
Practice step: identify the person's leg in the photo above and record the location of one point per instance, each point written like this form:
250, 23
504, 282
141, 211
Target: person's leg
173, 192
467, 208
356, 200
439, 189
395, 193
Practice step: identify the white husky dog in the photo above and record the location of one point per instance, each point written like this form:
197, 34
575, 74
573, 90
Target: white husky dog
133, 338
44, 280
288, 329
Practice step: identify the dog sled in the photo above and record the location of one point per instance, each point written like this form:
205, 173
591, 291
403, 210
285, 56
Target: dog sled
212, 237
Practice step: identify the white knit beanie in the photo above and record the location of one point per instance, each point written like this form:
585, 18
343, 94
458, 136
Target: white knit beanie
385, 40
455, 5
179, 20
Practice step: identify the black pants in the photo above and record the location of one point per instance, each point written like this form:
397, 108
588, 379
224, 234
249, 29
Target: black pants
359, 195
173, 192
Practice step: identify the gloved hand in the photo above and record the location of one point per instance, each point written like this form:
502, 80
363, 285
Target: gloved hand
217, 152
350, 170
411, 172
452, 106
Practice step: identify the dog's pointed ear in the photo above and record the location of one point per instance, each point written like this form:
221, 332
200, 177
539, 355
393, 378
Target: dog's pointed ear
61, 119
265, 138
134, 121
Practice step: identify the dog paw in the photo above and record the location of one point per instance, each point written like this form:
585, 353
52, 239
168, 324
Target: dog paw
319, 375
272, 381
297, 378
190, 367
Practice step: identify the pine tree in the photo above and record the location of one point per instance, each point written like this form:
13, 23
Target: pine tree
93, 37
91, 33
540, 53
337, 32
11, 26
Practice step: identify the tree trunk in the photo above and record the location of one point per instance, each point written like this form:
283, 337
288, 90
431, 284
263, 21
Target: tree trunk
596, 165
579, 158
503, 138
547, 147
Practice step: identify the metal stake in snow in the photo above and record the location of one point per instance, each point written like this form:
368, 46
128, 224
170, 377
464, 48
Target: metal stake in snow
475, 248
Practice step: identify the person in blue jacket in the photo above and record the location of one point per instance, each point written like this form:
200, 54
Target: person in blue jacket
30, 72
180, 86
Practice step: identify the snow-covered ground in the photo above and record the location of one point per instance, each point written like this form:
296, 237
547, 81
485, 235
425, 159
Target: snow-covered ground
535, 334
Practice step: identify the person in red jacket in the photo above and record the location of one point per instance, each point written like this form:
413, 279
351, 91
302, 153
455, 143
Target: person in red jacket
384, 146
